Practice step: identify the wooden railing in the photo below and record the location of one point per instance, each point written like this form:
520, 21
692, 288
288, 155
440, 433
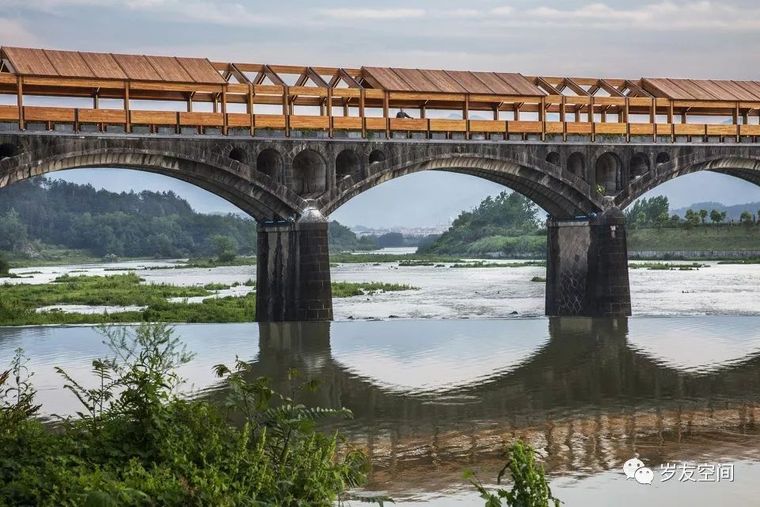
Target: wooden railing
554, 117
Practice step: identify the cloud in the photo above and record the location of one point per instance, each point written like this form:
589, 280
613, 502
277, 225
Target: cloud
380, 14
15, 34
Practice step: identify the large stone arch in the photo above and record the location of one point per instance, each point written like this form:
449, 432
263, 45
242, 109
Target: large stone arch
218, 174
745, 167
561, 194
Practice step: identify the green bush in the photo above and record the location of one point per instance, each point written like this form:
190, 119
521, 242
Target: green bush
136, 442
529, 485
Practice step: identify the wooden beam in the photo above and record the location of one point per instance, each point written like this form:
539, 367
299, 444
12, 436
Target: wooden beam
128, 124
20, 102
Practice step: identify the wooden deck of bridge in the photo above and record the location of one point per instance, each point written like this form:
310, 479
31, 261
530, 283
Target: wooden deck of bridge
158, 94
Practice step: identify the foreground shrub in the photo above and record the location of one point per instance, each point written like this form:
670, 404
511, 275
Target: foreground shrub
136, 442
529, 485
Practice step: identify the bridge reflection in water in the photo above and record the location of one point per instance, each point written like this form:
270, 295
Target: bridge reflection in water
586, 397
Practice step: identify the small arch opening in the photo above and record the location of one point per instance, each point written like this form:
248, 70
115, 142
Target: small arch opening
639, 165
309, 174
269, 162
8, 150
608, 172
576, 164
376, 157
346, 164
239, 155
662, 158
553, 158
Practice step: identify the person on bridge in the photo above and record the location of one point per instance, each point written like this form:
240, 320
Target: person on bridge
402, 114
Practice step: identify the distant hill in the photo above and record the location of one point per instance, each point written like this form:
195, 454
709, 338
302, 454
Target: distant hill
733, 212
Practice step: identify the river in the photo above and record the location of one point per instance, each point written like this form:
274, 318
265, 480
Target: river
442, 377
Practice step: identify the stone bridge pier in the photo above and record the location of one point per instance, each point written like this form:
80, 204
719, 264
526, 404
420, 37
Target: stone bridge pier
587, 266
293, 270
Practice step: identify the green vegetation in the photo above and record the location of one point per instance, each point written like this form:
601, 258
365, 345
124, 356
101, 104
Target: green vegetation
715, 238
483, 264
135, 441
349, 289
506, 225
4, 267
529, 485
37, 213
19, 304
665, 266
367, 258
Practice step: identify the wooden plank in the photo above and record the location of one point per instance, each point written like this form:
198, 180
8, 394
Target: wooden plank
746, 130
112, 116
525, 127
375, 123
53, 114
9, 113
137, 68
69, 64
32, 62
582, 128
521, 84
488, 126
417, 81
470, 82
268, 89
169, 69
722, 130
239, 120
409, 124
201, 119
609, 101
308, 91
103, 65
153, 117
200, 70
664, 129
272, 121
688, 129
443, 81
610, 128
555, 127
426, 96
346, 93
437, 125
385, 79
641, 129
347, 123
309, 122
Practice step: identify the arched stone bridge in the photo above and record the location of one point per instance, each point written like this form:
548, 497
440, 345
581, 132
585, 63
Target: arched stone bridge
291, 185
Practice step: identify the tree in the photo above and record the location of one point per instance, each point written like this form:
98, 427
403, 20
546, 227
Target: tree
13, 232
675, 220
390, 240
225, 248
692, 218
5, 267
746, 218
716, 216
703, 215
647, 212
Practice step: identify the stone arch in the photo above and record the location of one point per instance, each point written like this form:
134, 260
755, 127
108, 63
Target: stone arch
347, 164
239, 155
8, 150
309, 174
376, 157
639, 165
553, 158
607, 172
260, 200
576, 164
662, 158
269, 162
537, 180
746, 168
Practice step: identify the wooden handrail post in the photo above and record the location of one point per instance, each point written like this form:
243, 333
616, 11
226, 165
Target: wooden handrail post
329, 113
225, 123
20, 103
361, 112
128, 123
386, 114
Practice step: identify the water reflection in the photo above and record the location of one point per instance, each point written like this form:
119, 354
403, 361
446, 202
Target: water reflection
587, 395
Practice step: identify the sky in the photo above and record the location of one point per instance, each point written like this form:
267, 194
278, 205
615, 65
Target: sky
618, 39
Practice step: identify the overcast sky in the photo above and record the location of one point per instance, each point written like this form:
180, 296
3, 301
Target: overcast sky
699, 39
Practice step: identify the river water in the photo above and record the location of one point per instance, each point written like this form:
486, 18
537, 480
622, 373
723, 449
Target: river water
441, 378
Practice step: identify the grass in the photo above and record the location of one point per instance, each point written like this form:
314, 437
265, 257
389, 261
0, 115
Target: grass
365, 258
349, 289
18, 303
483, 264
710, 237
666, 266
